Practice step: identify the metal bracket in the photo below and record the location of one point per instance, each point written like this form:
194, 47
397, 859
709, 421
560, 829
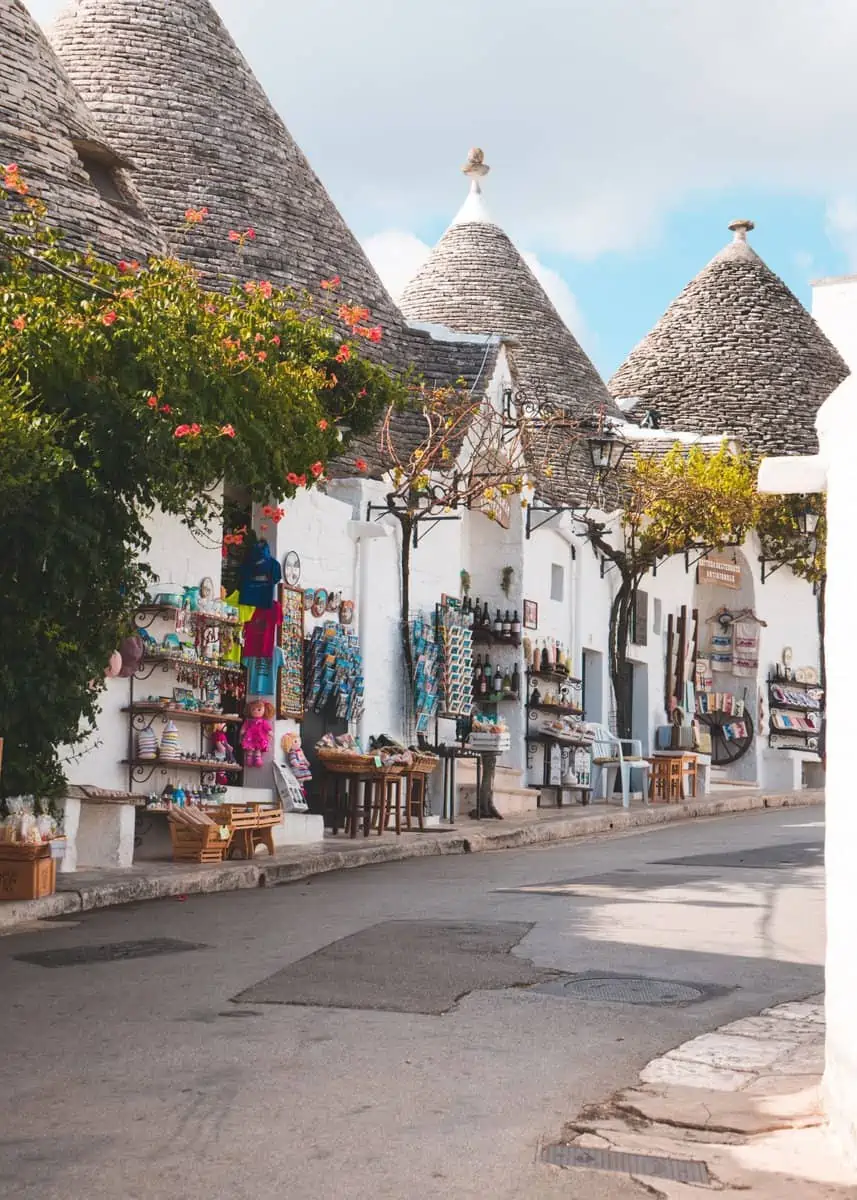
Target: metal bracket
428, 523
688, 564
551, 514
770, 566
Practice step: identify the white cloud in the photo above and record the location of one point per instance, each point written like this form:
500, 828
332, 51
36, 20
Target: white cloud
841, 224
396, 256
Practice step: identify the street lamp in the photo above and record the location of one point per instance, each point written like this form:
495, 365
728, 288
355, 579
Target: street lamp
606, 451
807, 521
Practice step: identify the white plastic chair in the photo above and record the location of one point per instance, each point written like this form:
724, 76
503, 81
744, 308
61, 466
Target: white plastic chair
609, 757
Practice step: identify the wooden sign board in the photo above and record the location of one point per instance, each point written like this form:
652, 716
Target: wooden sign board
719, 574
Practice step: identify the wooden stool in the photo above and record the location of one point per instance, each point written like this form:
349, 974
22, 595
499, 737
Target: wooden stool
415, 797
390, 793
688, 769
666, 778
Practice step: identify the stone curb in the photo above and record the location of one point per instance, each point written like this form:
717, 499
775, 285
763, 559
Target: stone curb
476, 838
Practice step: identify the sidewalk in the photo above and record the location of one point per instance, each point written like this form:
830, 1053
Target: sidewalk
736, 1111
85, 890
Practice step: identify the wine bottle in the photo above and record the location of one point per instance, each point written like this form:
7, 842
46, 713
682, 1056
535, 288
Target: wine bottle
516, 681
498, 682
545, 660
516, 625
485, 679
507, 683
477, 671
507, 625
536, 655
486, 617
498, 625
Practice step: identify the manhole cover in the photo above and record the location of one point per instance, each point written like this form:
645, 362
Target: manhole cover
678, 1169
75, 956
601, 988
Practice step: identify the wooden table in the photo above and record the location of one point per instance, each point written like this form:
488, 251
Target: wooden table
250, 825
670, 770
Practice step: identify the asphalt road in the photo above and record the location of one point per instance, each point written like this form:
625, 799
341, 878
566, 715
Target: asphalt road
386, 1032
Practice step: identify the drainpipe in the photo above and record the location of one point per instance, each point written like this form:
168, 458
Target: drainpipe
363, 533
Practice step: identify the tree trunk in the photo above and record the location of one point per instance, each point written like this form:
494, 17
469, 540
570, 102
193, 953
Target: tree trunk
620, 616
485, 797
821, 606
407, 523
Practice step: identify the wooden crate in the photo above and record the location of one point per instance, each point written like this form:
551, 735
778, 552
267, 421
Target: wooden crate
195, 839
26, 872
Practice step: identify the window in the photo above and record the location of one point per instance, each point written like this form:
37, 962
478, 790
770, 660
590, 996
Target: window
657, 615
557, 582
640, 619
104, 170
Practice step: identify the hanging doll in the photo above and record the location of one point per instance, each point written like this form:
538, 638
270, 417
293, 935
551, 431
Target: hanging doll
257, 732
221, 750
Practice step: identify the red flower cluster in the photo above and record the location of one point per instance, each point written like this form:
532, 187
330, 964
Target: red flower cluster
249, 235
195, 216
330, 285
20, 323
12, 180
152, 402
274, 514
227, 431
296, 480
361, 464
275, 340
109, 318
236, 538
322, 424
352, 314
183, 431
128, 268
317, 468
344, 353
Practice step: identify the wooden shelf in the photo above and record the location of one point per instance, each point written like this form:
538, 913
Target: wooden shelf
169, 660
202, 716
487, 637
565, 710
554, 675
196, 764
496, 697
172, 611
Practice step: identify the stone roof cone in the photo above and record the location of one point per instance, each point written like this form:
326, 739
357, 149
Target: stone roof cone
735, 353
475, 281
179, 99
64, 155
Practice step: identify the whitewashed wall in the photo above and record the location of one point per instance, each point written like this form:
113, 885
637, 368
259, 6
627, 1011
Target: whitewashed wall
176, 556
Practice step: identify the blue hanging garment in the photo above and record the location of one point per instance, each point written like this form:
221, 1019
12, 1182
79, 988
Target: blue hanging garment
258, 576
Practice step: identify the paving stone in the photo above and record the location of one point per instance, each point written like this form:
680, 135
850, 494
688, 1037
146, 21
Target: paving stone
778, 1028
695, 1075
732, 1053
797, 1011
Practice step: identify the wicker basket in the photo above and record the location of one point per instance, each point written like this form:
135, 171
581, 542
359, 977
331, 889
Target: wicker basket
345, 761
424, 763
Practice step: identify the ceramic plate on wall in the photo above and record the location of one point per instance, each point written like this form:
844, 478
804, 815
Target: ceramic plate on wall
319, 604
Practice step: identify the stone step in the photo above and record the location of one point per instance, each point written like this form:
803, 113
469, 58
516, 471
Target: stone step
507, 800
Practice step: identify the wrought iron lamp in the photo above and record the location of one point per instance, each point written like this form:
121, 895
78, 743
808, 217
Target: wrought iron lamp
606, 451
807, 521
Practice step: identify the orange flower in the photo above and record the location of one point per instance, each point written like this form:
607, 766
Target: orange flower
250, 235
20, 323
227, 431
259, 337
108, 318
352, 314
12, 180
195, 216
243, 356
317, 468
292, 479
372, 334
344, 353
152, 402
361, 464
127, 294
275, 340
266, 289
301, 480
195, 430
262, 355
128, 268
234, 235
330, 285
250, 287
322, 424
181, 431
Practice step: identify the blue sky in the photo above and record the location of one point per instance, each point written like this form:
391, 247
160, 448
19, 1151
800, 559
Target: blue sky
624, 135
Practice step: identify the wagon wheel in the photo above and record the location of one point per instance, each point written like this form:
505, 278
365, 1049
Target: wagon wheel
725, 751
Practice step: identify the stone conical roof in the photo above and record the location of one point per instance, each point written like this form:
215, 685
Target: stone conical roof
178, 98
475, 281
735, 353
64, 156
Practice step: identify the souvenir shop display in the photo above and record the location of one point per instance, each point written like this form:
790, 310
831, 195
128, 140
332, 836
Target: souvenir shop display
729, 725
257, 732
491, 684
221, 748
455, 639
503, 628
31, 841
490, 735
258, 576
427, 671
290, 683
796, 704
334, 672
546, 656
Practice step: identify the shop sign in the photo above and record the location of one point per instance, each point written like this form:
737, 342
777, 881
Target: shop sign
719, 574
